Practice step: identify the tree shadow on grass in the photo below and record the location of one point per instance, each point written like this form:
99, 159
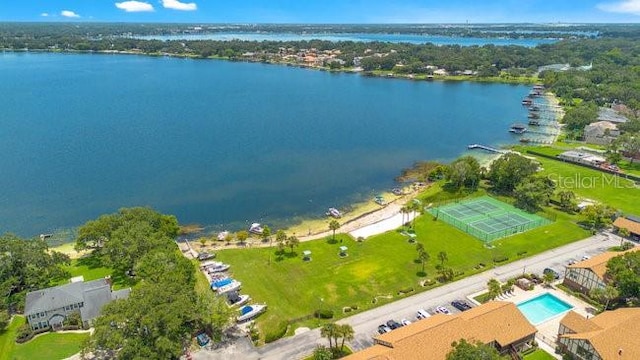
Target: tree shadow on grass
332, 241
121, 280
91, 261
421, 274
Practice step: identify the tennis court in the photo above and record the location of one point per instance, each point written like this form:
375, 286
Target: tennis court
486, 218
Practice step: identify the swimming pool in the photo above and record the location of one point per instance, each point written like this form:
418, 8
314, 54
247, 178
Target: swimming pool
542, 308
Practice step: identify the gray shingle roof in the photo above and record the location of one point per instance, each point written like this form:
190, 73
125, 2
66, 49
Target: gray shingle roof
94, 299
59, 296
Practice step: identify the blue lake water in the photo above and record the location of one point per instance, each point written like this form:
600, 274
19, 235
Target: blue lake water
219, 143
393, 38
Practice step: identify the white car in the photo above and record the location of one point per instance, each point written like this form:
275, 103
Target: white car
586, 257
422, 314
443, 310
405, 322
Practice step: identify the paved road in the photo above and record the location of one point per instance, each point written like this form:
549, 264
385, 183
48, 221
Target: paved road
365, 324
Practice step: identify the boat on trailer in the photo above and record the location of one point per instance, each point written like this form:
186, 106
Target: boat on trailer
248, 312
236, 299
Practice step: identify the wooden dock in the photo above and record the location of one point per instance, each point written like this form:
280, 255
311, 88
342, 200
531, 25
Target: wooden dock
485, 147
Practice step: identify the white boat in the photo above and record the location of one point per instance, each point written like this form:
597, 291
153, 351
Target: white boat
256, 228
333, 212
215, 267
231, 286
250, 311
234, 299
222, 236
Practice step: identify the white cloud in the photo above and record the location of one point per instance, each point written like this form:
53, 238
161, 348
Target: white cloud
69, 14
177, 5
625, 7
134, 6
44, 14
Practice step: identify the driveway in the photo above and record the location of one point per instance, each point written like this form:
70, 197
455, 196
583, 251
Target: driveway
365, 324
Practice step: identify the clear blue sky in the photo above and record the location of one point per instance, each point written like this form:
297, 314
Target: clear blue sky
323, 11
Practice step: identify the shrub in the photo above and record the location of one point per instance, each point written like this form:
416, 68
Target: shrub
324, 314
500, 259
405, 291
276, 332
24, 333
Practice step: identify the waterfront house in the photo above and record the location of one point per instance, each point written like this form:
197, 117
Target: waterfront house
589, 274
608, 335
611, 115
582, 158
601, 132
497, 323
50, 307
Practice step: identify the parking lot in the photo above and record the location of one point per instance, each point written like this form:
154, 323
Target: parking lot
367, 326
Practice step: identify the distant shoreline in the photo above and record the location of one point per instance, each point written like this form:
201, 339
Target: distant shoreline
350, 70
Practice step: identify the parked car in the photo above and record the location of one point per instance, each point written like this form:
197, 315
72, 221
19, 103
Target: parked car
572, 261
550, 270
461, 305
405, 322
422, 314
382, 329
443, 310
393, 324
586, 257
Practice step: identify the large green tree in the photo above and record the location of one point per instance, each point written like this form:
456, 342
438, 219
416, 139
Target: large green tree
630, 145
534, 192
598, 216
509, 170
464, 350
26, 265
124, 237
464, 172
624, 273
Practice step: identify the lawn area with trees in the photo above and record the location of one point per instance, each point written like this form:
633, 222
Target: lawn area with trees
8, 337
592, 184
49, 346
377, 268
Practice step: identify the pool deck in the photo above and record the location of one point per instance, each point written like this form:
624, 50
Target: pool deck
548, 330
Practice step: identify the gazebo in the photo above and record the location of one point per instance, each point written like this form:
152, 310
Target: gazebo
306, 255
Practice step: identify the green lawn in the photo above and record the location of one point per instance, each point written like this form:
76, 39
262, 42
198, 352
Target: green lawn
378, 267
538, 355
90, 268
8, 337
593, 184
49, 346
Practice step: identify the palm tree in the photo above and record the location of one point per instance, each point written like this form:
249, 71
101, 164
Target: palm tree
404, 210
414, 207
266, 234
494, 288
293, 241
442, 256
329, 331
423, 256
333, 226
242, 236
347, 333
605, 295
281, 238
